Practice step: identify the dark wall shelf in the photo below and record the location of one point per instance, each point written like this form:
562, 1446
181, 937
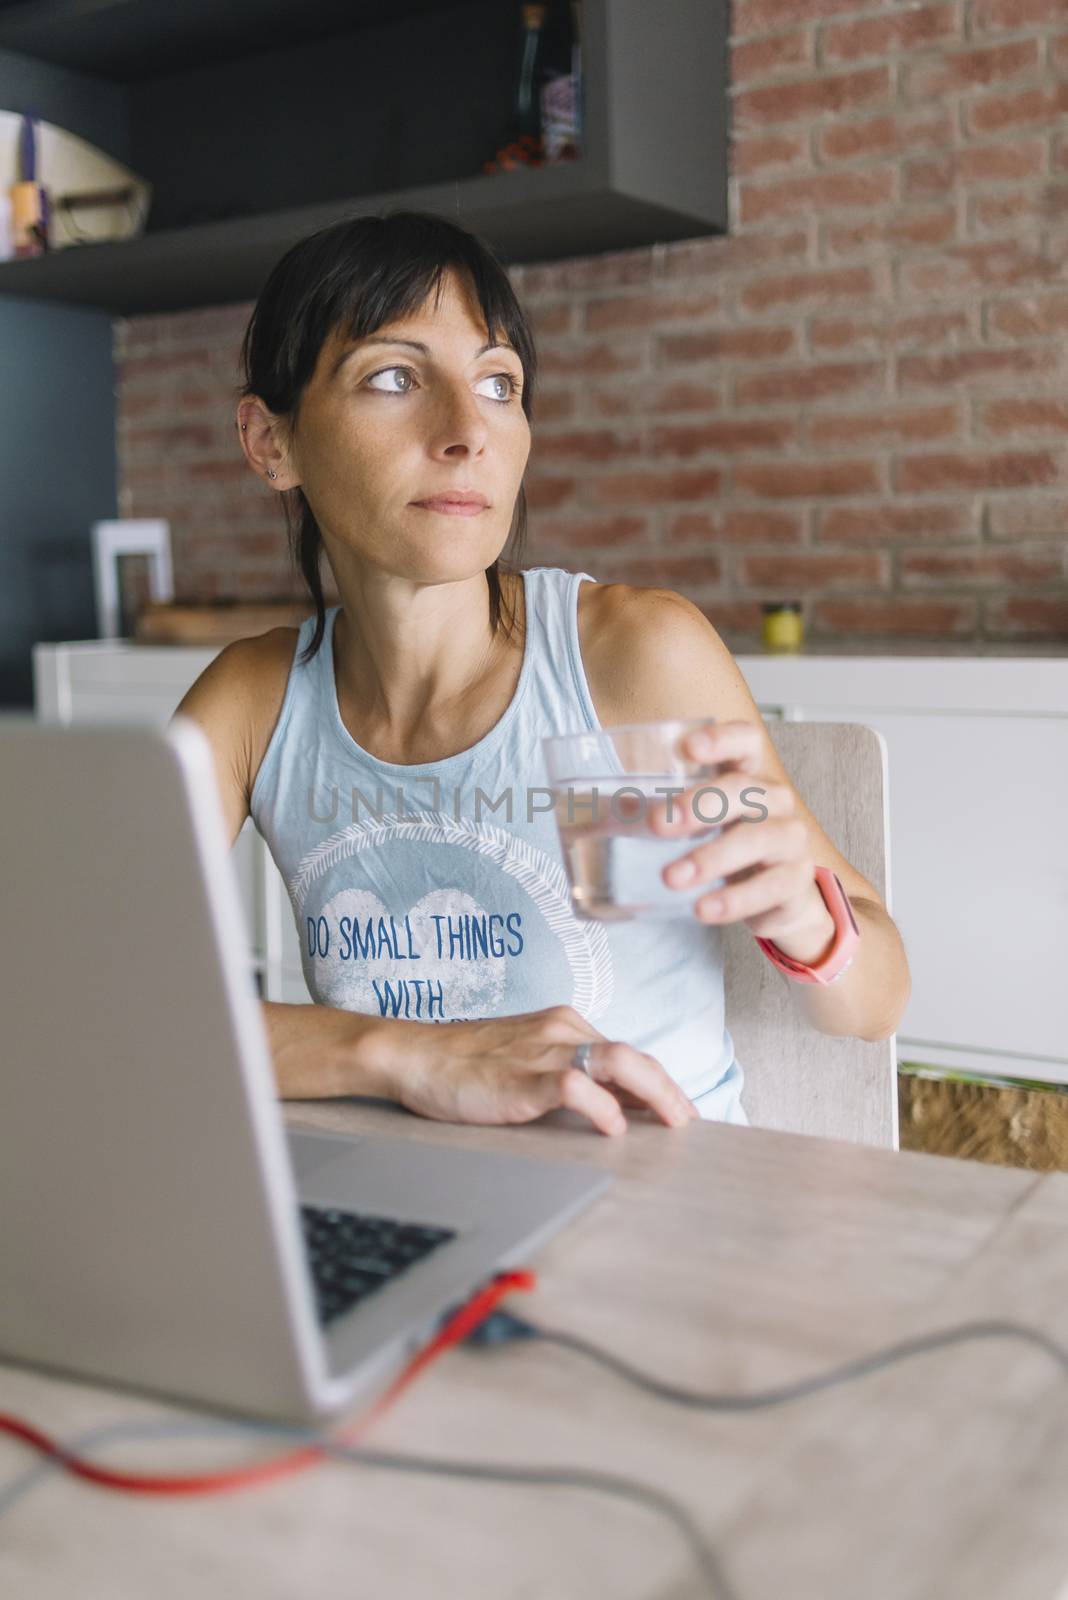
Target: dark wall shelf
653, 168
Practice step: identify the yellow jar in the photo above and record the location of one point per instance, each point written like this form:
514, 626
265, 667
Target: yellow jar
784, 629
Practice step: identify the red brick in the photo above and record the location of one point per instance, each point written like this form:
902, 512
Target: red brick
757, 152
223, 550
653, 486
1021, 518
1000, 213
985, 163
1012, 16
920, 567
994, 112
734, 617
666, 572
1033, 317
973, 367
898, 618
554, 405
606, 271
1036, 616
584, 444
684, 397
626, 400
1031, 416
763, 58
547, 492
819, 192
1012, 469
645, 310
736, 527
890, 33
178, 437
764, 16
882, 329
547, 319
583, 357
1058, 49
812, 569
976, 266
173, 364
135, 403
831, 284
813, 381
893, 426
950, 72
902, 226
893, 522
585, 532
1059, 153
234, 470
789, 480
735, 252
811, 97
889, 134
725, 344
723, 438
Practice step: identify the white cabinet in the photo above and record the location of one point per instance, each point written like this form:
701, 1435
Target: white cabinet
116, 681
977, 752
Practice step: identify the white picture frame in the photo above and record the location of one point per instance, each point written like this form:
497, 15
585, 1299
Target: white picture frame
141, 536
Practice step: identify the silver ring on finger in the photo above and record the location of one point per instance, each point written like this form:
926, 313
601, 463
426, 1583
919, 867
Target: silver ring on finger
581, 1057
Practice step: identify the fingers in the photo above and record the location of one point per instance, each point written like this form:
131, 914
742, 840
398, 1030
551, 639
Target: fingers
780, 840
737, 741
643, 1077
719, 803
575, 1090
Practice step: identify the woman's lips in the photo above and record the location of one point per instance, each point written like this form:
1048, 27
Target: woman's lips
452, 508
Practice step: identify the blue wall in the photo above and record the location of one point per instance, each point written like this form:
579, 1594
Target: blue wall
57, 410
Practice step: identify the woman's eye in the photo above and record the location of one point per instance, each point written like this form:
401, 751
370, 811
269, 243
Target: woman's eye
507, 382
508, 386
387, 372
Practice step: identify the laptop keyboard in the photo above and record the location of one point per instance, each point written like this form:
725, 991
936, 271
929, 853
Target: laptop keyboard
352, 1255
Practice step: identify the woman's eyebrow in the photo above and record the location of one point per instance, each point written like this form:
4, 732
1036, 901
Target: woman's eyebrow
410, 344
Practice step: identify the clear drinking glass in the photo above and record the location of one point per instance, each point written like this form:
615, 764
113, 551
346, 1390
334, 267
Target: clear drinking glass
604, 785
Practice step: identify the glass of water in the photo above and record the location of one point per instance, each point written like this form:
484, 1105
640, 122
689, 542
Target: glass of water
605, 784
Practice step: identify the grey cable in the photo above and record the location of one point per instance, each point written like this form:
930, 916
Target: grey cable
857, 1368
714, 1579
719, 1587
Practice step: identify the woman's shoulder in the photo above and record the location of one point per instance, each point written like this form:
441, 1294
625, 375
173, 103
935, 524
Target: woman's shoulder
237, 700
651, 653
265, 664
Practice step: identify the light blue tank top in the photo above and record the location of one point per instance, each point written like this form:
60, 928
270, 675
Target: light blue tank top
417, 895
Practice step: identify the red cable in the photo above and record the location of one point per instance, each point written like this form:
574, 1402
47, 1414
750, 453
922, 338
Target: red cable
463, 1322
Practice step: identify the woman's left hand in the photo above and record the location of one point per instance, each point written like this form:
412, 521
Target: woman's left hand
762, 850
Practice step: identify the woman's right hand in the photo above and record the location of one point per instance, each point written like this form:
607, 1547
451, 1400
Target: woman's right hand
513, 1069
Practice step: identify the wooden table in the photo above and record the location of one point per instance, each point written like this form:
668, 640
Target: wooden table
725, 1258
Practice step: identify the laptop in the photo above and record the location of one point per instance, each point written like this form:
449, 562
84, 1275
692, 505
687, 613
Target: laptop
163, 1230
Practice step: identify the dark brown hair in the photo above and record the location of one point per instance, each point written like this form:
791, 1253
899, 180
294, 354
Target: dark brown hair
355, 276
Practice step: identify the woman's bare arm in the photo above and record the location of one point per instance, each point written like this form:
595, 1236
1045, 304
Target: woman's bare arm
317, 1051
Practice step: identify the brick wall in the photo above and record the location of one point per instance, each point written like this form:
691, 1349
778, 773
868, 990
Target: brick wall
858, 399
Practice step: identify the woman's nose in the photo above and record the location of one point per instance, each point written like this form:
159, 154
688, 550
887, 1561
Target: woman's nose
460, 421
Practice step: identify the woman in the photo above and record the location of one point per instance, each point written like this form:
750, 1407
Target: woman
388, 395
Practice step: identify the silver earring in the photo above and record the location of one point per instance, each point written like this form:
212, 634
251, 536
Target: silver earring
271, 474
244, 425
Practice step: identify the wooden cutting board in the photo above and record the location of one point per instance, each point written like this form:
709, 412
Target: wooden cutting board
218, 623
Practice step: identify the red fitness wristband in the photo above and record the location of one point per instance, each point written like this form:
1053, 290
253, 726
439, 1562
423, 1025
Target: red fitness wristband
846, 937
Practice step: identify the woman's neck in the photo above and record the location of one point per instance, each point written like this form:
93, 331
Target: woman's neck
419, 676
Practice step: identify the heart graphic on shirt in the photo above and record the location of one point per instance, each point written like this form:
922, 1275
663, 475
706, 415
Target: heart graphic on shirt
522, 862
389, 965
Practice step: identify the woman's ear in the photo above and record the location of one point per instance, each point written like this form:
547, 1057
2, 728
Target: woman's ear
264, 439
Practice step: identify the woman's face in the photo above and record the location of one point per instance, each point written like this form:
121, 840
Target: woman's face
415, 410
